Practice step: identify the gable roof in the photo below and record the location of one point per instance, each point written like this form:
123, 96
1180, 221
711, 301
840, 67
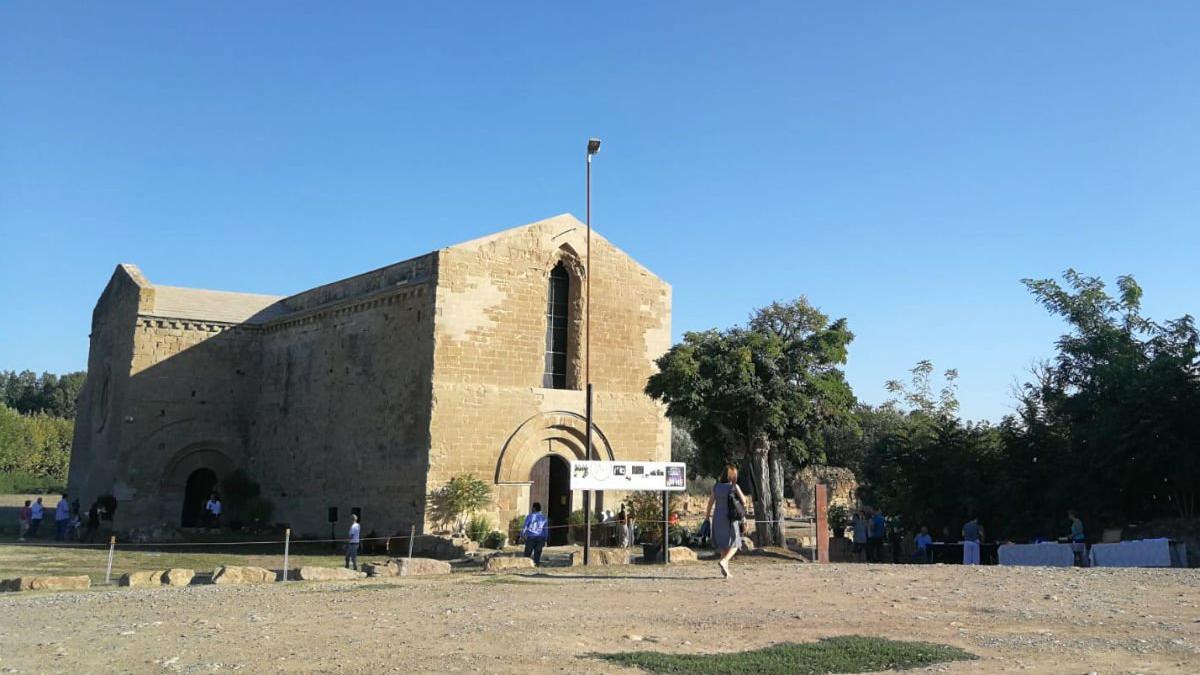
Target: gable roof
220, 306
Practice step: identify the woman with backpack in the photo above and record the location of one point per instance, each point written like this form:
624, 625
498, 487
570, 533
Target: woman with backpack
727, 512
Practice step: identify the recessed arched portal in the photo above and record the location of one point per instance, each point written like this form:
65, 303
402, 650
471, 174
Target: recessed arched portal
550, 486
201, 483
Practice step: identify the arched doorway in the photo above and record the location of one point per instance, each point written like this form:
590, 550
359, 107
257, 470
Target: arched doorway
200, 484
551, 487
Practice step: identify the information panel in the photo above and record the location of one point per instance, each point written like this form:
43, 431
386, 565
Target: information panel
655, 476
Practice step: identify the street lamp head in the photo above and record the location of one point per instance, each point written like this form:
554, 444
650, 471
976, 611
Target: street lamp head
593, 146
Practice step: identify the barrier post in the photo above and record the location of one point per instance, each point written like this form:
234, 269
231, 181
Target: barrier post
666, 540
112, 545
287, 542
412, 535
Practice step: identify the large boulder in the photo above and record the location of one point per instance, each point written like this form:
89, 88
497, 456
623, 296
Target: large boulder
681, 554
505, 563
444, 547
419, 567
387, 568
142, 578
311, 573
46, 583
235, 574
178, 576
602, 557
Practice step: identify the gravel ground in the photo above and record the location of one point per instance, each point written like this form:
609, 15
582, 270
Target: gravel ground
1033, 619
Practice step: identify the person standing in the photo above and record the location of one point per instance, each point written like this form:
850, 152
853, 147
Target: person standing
212, 509
860, 536
35, 518
534, 533
62, 518
23, 521
726, 511
876, 531
972, 534
623, 524
1077, 538
93, 522
352, 545
924, 542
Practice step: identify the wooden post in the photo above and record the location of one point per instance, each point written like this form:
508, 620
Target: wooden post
821, 534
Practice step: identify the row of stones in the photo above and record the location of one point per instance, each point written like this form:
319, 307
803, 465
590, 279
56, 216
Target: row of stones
395, 567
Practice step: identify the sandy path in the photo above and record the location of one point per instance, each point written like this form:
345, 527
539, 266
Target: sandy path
1015, 619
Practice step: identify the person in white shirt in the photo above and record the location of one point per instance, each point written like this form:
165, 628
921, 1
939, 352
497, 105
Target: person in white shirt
352, 545
213, 510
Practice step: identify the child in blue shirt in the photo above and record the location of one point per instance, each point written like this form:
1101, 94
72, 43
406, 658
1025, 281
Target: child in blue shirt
924, 552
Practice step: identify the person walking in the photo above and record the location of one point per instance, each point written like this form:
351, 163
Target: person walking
23, 517
726, 511
36, 511
352, 545
534, 533
876, 531
972, 534
623, 524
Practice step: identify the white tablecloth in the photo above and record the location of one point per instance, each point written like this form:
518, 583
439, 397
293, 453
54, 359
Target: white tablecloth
1042, 555
1138, 553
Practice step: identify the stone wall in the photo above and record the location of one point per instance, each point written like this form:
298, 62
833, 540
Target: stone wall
491, 415
343, 409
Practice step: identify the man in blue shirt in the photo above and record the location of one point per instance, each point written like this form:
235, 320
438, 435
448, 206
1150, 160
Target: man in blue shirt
534, 533
876, 531
924, 542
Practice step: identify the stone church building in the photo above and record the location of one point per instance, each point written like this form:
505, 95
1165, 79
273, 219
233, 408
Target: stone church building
369, 393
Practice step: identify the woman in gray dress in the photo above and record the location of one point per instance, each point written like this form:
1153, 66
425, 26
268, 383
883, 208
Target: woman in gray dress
726, 533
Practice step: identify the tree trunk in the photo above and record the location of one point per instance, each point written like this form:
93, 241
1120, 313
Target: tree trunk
760, 474
775, 528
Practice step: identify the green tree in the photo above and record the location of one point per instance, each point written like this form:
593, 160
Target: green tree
760, 396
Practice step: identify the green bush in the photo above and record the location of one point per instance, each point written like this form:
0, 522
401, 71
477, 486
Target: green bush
515, 526
35, 444
839, 519
23, 482
478, 528
495, 539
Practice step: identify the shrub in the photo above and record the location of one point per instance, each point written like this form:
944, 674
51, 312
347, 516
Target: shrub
495, 539
478, 528
701, 486
462, 496
839, 519
25, 483
515, 526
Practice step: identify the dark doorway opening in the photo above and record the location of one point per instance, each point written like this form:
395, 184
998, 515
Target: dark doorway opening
200, 485
551, 477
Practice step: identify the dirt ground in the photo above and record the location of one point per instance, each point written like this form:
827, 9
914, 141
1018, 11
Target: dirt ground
1034, 619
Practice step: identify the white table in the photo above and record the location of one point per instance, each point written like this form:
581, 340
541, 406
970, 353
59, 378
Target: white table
1137, 553
1047, 554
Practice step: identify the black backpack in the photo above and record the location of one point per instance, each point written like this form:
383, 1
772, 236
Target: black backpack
737, 510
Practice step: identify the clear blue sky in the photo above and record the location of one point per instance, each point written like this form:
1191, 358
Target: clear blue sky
901, 164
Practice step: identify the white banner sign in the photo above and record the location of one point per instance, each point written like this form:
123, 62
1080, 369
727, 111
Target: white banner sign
656, 476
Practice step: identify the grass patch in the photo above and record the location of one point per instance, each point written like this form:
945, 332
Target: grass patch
847, 654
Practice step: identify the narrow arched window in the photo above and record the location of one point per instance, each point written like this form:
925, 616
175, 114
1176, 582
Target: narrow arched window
557, 304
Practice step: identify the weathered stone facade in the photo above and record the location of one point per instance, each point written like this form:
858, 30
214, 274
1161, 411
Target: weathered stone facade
373, 391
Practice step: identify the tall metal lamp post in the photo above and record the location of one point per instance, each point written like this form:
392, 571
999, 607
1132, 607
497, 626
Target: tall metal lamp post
593, 146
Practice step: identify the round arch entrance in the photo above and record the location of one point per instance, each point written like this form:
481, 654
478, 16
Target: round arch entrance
550, 486
189, 478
